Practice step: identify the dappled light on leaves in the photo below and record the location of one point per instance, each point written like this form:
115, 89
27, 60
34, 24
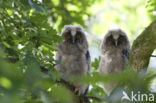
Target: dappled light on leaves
29, 36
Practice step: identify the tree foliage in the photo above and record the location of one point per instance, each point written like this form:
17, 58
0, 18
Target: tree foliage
151, 7
28, 35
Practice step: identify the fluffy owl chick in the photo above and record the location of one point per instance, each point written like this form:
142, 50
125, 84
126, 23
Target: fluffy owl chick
74, 55
115, 53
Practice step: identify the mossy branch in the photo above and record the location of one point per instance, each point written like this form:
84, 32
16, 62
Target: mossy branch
143, 47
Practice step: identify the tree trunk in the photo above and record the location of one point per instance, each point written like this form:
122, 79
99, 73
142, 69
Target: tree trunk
143, 47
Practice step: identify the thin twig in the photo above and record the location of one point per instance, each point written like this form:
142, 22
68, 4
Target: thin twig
153, 55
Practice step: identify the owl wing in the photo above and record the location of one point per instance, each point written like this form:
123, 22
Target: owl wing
125, 53
88, 60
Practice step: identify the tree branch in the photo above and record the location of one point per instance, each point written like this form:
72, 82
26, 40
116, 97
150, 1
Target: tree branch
143, 47
153, 55
82, 98
12, 59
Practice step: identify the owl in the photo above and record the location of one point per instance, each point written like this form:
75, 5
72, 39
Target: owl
115, 52
74, 55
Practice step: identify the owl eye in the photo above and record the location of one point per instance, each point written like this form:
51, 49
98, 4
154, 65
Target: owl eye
78, 35
110, 40
67, 36
122, 40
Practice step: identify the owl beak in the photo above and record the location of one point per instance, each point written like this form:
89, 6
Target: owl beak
116, 42
73, 40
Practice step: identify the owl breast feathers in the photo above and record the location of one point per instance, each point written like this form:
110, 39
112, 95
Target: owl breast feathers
115, 51
73, 54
